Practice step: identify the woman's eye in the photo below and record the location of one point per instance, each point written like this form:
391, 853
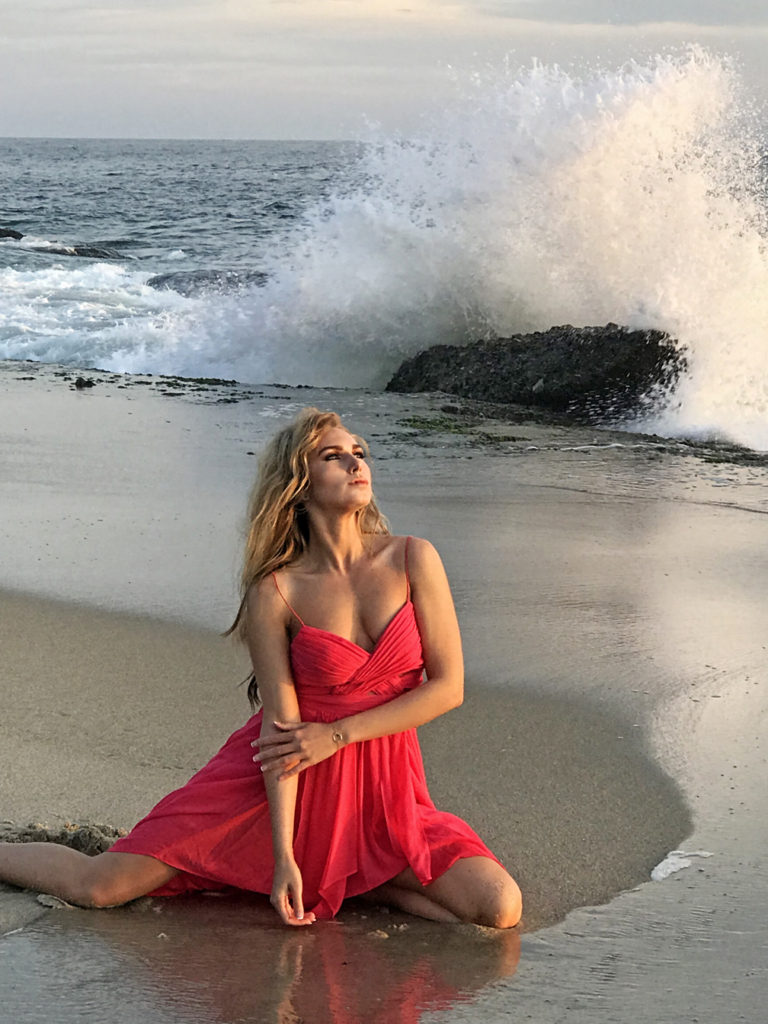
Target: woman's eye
359, 455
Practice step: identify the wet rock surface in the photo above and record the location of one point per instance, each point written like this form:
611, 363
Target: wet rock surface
592, 373
201, 282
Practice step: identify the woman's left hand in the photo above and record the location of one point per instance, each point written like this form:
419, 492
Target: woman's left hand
295, 747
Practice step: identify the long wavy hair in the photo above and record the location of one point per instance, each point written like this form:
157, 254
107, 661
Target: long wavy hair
278, 525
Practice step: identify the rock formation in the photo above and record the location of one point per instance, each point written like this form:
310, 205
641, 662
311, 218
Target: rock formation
596, 373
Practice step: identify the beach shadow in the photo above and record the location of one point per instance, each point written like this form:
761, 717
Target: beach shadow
565, 793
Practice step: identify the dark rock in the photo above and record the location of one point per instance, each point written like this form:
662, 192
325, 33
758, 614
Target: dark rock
91, 252
84, 382
597, 373
199, 282
98, 252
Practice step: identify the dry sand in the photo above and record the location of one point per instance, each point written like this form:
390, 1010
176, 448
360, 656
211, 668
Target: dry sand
612, 607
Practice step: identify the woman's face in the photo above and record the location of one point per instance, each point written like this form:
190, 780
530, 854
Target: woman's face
339, 476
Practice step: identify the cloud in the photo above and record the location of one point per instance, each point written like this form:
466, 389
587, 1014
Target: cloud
312, 68
710, 13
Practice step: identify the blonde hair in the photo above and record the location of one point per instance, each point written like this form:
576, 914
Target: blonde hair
278, 526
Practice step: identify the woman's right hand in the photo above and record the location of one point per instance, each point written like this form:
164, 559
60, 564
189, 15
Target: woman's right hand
286, 896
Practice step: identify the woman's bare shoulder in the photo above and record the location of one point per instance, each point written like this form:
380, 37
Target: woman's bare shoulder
391, 546
419, 554
268, 631
420, 545
264, 601
419, 549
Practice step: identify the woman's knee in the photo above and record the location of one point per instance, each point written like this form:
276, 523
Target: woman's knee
97, 895
96, 887
91, 893
501, 906
111, 879
478, 890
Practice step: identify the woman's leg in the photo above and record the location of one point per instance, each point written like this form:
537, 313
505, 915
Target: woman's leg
392, 894
474, 889
106, 880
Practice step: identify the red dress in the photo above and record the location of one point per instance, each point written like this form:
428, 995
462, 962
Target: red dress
362, 815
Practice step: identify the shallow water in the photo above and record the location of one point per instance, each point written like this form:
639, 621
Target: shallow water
225, 959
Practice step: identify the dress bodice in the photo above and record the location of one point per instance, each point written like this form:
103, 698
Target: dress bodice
327, 667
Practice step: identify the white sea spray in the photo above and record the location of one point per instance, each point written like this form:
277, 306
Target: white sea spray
540, 197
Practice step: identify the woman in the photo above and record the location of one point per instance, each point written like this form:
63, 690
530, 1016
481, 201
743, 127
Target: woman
342, 620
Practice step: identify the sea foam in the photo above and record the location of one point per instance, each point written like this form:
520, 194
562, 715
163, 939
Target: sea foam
540, 197
633, 195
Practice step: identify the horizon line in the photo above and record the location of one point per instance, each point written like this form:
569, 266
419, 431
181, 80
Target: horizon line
165, 138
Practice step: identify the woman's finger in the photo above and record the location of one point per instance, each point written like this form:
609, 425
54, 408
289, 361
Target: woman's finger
270, 756
276, 749
286, 732
275, 740
295, 902
280, 764
296, 923
282, 906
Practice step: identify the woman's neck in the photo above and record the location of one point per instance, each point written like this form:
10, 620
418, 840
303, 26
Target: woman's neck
335, 542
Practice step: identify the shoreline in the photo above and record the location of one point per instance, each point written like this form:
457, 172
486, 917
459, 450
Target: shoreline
481, 422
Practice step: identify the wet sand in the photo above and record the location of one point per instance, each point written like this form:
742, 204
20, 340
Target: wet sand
612, 611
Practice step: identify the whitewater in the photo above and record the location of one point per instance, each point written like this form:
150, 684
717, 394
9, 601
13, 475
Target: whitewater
540, 197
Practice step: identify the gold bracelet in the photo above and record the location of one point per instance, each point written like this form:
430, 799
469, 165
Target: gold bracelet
337, 737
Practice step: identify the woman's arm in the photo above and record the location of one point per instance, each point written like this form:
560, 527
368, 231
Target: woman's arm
295, 748
268, 644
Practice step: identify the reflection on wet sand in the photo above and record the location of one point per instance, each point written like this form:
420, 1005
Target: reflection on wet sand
217, 960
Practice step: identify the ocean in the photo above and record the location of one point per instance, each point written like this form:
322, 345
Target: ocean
634, 195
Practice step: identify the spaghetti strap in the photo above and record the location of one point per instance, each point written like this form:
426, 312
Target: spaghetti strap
407, 575
290, 608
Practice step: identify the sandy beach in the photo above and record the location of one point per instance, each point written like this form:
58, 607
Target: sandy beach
610, 590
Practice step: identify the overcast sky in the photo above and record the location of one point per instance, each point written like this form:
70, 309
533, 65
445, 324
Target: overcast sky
313, 68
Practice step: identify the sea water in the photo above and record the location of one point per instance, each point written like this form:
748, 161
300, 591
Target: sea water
540, 197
